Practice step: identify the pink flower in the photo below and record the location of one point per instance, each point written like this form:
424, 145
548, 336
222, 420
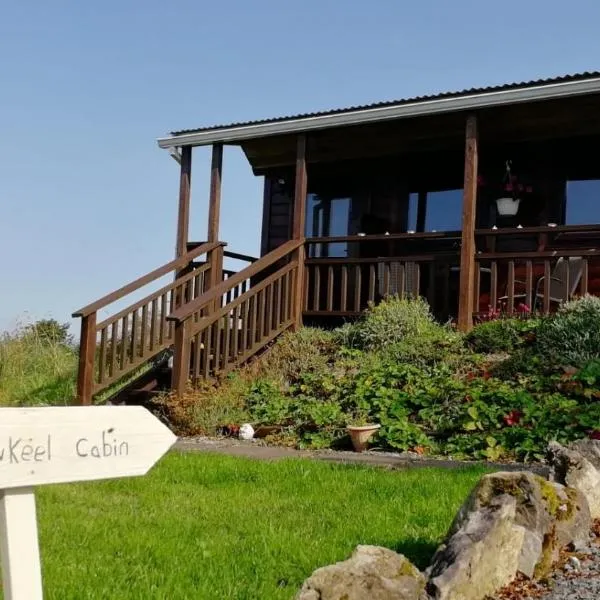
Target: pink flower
523, 308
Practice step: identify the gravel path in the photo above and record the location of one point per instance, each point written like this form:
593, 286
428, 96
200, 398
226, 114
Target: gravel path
579, 580
392, 460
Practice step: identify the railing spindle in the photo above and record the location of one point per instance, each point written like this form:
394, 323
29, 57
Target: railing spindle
371, 283
494, 285
317, 288
584, 277
511, 287
357, 284
547, 275
529, 284
330, 288
124, 326
344, 288
102, 357
114, 342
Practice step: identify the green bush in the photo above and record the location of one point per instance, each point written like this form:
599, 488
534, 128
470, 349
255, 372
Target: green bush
501, 335
392, 321
305, 351
571, 337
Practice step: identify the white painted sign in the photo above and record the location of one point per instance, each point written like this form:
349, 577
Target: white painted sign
39, 446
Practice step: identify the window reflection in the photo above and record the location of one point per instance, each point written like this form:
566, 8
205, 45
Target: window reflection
583, 202
444, 210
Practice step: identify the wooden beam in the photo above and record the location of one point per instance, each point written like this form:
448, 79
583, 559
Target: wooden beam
467, 250
298, 225
183, 214
214, 206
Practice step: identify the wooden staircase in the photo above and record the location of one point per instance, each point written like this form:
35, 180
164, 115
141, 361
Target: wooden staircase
207, 321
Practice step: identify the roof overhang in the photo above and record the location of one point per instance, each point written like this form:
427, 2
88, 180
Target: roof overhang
418, 108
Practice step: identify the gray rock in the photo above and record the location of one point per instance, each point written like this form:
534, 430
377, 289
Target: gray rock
481, 557
371, 573
574, 466
589, 449
511, 522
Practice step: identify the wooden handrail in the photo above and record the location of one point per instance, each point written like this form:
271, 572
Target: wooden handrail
326, 260
167, 288
379, 237
223, 311
145, 279
535, 255
509, 231
238, 256
190, 308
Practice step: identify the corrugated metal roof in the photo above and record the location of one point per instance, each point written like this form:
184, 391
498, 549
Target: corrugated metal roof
392, 103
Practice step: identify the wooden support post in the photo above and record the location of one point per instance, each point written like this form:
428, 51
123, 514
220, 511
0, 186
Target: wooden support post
214, 203
180, 373
87, 351
298, 226
21, 572
467, 250
183, 213
214, 211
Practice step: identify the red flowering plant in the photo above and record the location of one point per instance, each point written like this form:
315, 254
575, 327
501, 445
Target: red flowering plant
511, 184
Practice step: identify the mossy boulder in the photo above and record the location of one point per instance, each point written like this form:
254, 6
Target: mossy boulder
512, 522
578, 466
371, 572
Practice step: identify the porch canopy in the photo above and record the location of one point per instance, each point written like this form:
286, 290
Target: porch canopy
457, 141
540, 109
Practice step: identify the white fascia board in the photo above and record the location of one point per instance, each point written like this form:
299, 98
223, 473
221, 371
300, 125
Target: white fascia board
384, 113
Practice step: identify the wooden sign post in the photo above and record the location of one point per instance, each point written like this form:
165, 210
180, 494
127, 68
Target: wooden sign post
39, 446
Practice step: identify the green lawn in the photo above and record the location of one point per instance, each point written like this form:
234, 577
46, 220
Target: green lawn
215, 527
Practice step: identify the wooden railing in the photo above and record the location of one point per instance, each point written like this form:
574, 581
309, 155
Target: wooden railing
534, 281
111, 349
220, 330
406, 266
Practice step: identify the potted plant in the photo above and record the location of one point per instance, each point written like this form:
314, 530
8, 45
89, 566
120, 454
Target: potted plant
508, 203
361, 430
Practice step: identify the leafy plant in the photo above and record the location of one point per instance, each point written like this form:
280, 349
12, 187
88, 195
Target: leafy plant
571, 336
501, 335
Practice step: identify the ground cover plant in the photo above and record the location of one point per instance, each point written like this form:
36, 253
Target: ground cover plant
196, 526
501, 392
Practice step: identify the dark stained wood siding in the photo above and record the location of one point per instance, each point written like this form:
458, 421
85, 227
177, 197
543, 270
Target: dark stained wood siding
277, 212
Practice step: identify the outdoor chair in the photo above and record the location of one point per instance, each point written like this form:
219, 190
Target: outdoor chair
564, 280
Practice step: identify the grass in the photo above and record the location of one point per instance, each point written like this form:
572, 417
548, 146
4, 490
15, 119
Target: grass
210, 526
36, 371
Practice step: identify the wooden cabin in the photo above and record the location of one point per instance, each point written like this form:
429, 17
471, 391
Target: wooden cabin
475, 200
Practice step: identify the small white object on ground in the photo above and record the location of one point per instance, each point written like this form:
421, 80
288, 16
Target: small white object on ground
246, 431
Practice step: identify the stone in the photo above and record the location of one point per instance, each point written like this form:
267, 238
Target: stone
512, 522
575, 466
589, 449
481, 557
371, 573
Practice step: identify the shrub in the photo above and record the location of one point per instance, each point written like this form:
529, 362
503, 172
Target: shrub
571, 337
501, 335
305, 351
393, 320
209, 406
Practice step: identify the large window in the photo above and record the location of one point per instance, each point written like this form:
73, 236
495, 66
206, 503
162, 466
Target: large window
583, 202
328, 217
444, 211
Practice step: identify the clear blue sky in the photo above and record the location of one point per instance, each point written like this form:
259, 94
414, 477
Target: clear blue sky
87, 199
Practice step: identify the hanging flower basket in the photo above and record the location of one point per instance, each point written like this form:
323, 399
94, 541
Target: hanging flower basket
507, 206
